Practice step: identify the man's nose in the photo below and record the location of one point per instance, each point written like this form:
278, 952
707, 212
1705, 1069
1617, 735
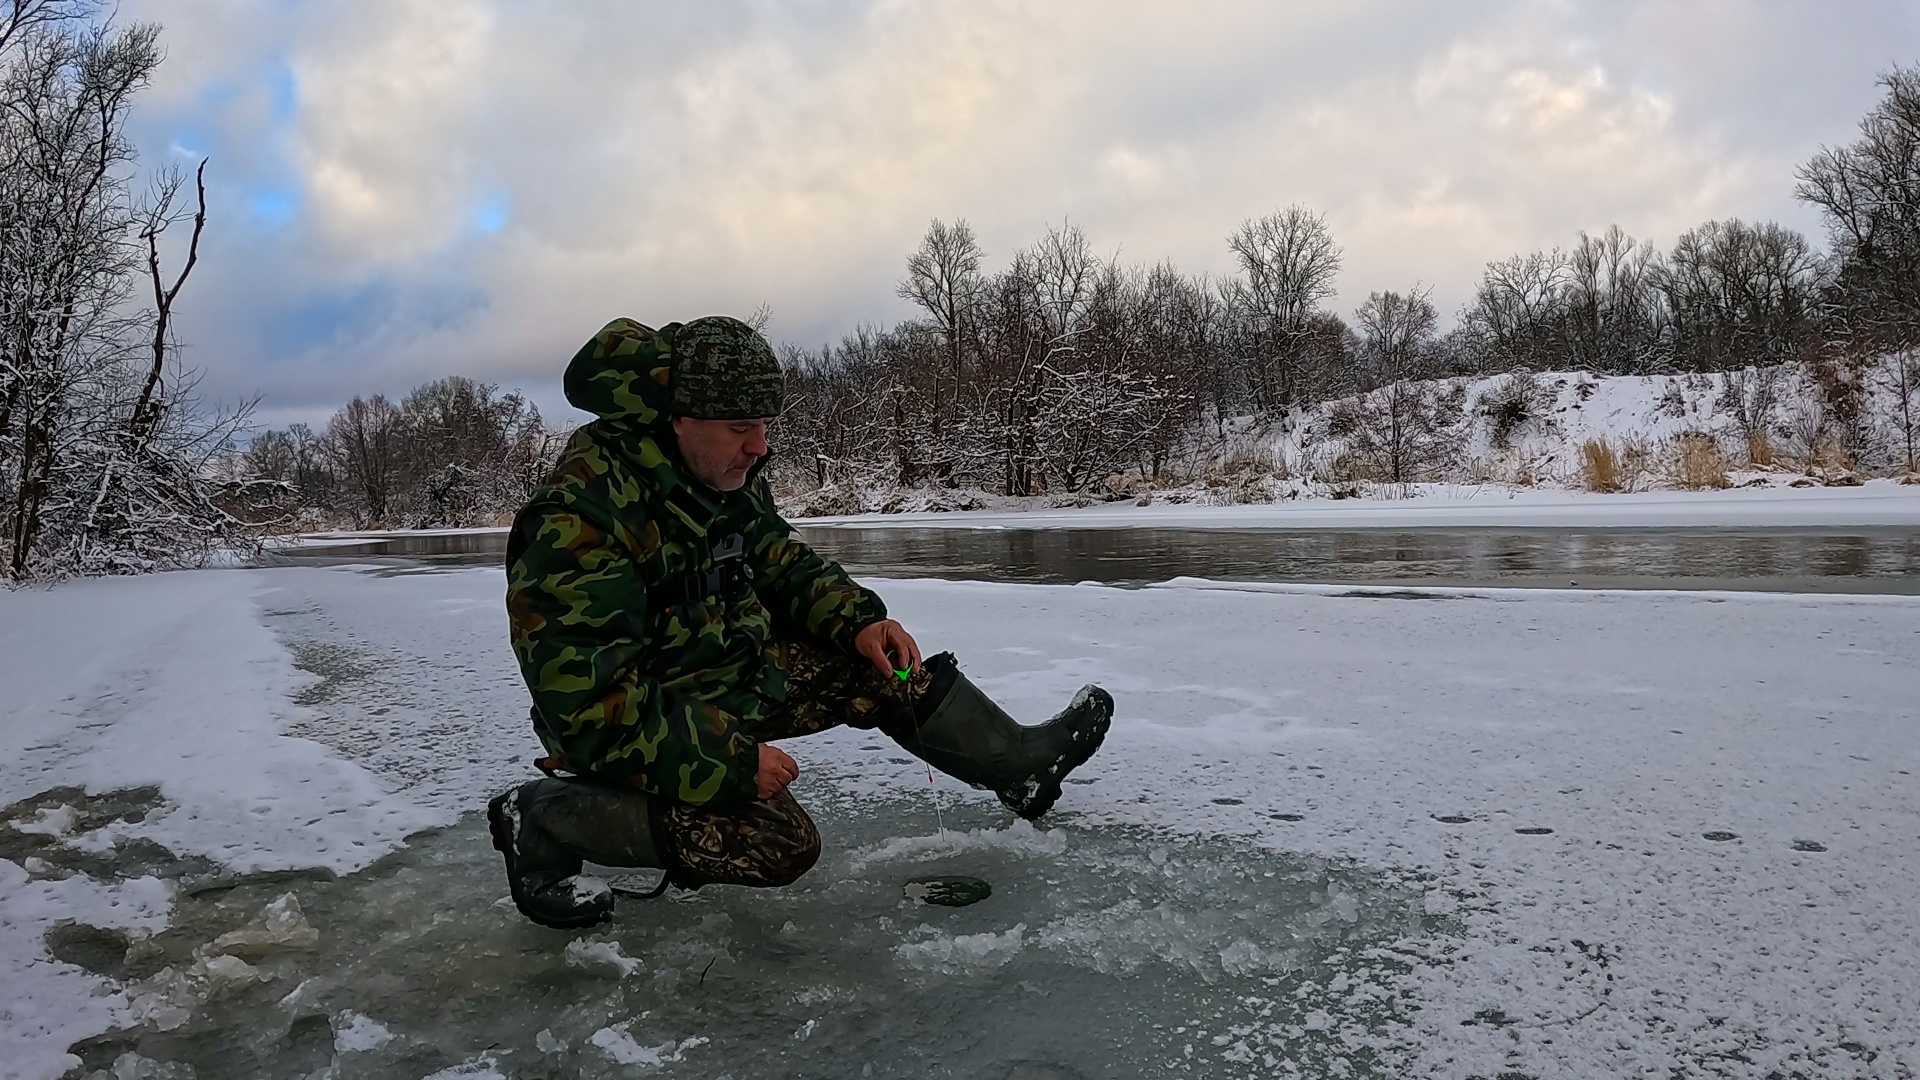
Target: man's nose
757, 444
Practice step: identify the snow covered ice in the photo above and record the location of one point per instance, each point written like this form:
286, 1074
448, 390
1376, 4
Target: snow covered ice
1448, 833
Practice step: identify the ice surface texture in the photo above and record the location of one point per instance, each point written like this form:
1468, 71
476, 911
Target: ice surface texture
1319, 737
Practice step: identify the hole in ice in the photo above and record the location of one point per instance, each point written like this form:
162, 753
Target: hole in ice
1719, 836
1455, 819
1534, 830
1226, 801
1087, 930
1287, 817
1808, 845
952, 890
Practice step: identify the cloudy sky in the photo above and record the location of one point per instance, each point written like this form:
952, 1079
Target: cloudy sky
403, 189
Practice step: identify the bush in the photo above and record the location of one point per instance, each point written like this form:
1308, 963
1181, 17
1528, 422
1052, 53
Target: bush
1600, 466
1699, 463
1511, 405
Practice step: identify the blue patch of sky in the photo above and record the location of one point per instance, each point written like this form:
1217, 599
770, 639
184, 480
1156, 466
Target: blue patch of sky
340, 318
493, 213
283, 90
217, 93
274, 208
195, 140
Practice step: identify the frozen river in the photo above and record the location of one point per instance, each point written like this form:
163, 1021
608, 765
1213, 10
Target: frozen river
1336, 831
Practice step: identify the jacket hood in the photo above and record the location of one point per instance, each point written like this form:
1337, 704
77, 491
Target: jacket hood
625, 373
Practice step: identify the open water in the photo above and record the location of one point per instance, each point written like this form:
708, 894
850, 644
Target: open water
1798, 560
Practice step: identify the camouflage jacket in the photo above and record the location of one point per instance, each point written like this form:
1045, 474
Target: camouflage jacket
645, 606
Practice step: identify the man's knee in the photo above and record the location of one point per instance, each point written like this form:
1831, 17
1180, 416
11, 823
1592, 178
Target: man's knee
769, 843
792, 862
787, 844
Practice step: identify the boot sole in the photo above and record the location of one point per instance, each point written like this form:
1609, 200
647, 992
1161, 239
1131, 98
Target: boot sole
502, 829
1048, 792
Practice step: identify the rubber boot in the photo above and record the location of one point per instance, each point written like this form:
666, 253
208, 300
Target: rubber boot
960, 731
546, 829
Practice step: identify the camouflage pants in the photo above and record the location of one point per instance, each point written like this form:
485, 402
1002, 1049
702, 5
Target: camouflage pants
772, 842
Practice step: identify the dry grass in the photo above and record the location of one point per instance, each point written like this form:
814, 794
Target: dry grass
1829, 455
1759, 450
1698, 462
1600, 466
1249, 452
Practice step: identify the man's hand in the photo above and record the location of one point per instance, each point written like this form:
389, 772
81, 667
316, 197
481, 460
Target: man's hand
889, 646
777, 770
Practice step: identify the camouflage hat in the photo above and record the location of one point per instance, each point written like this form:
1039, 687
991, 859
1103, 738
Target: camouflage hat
724, 370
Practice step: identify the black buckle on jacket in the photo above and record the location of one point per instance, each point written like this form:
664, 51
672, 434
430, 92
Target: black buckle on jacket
728, 579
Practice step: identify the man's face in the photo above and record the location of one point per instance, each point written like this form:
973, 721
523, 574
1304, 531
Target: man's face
719, 452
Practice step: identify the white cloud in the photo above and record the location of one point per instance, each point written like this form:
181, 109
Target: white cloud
387, 139
666, 160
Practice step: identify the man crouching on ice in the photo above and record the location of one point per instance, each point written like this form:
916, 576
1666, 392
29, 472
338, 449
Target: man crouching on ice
672, 627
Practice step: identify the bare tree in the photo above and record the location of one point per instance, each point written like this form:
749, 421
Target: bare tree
1869, 191
147, 409
1288, 262
1740, 294
1901, 376
365, 441
1400, 433
1614, 317
1518, 317
1396, 335
943, 279
1752, 396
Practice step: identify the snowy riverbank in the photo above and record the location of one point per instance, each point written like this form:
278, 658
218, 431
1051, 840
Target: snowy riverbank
1671, 831
1875, 504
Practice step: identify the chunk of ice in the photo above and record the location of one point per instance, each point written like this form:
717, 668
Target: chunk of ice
953, 953
621, 1046
354, 1033
484, 1069
602, 957
1019, 838
54, 821
279, 925
224, 973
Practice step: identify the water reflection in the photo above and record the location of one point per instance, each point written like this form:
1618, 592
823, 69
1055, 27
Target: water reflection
1859, 560
1867, 560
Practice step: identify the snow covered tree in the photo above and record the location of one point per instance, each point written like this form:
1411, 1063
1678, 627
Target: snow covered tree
105, 456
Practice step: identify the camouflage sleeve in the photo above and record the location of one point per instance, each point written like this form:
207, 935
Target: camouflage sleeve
580, 630
806, 592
